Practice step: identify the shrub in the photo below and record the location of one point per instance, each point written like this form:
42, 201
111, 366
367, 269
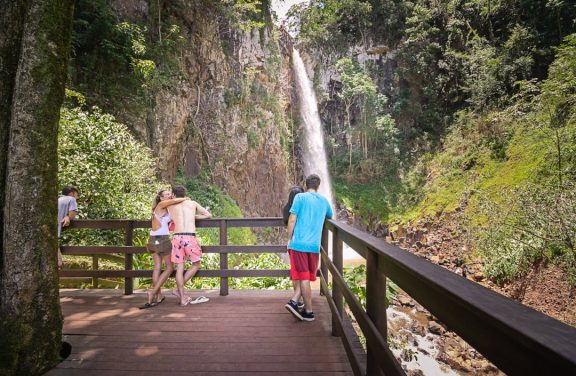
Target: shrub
113, 171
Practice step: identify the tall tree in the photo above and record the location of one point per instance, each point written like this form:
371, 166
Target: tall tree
34, 45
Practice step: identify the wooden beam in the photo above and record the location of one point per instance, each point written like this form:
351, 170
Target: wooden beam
517, 339
69, 273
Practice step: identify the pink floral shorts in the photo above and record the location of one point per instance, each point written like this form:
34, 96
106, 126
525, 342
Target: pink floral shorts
185, 247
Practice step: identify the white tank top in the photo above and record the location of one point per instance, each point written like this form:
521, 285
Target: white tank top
164, 220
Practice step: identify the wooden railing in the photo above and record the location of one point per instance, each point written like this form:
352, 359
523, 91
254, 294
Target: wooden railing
516, 338
128, 249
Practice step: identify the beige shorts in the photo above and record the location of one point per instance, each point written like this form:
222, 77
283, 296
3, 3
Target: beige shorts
159, 244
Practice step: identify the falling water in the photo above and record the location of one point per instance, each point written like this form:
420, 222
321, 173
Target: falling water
315, 161
314, 157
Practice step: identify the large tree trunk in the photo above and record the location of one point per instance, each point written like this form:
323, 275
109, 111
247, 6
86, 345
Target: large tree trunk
11, 21
34, 44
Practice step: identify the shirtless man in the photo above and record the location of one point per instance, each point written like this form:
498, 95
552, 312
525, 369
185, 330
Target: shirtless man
184, 243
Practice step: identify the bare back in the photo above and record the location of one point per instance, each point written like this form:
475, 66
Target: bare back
183, 215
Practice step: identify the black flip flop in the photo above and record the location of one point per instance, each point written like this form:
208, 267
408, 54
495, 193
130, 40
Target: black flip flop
148, 305
161, 300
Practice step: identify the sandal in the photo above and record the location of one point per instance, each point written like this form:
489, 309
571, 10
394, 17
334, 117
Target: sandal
198, 300
148, 305
185, 303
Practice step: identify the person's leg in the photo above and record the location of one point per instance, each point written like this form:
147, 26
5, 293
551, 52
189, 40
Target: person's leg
312, 260
180, 282
178, 258
297, 291
193, 252
307, 294
192, 271
162, 278
294, 274
296, 277
157, 268
155, 273
59, 259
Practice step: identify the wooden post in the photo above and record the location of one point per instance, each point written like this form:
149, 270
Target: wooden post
337, 259
323, 265
375, 306
223, 257
128, 281
95, 267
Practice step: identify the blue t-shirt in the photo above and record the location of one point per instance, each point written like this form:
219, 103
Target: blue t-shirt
310, 209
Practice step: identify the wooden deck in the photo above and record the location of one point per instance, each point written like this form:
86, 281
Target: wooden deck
244, 333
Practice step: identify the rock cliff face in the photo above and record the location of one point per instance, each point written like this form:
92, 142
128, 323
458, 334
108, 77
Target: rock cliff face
226, 114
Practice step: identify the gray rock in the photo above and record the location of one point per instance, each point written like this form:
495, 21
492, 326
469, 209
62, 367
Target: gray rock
435, 328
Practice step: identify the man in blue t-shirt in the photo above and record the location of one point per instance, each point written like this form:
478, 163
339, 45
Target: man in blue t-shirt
305, 224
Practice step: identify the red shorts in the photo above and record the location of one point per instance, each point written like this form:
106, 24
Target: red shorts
185, 247
303, 265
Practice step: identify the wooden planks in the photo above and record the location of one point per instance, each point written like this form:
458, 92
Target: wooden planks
245, 333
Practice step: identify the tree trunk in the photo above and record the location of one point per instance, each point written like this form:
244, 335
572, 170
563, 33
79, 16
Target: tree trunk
11, 21
34, 44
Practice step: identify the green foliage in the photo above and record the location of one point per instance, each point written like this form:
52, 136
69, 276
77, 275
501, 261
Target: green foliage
331, 25
220, 205
534, 222
355, 278
265, 261
376, 202
357, 86
456, 53
107, 53
244, 14
134, 49
472, 126
482, 85
120, 64
253, 139
538, 225
114, 173
232, 97
511, 172
367, 123
143, 68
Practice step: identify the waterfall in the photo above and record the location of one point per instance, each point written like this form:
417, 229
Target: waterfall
314, 158
315, 161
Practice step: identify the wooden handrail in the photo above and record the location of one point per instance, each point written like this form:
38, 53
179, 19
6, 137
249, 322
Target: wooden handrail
120, 224
128, 249
386, 360
104, 249
71, 273
516, 338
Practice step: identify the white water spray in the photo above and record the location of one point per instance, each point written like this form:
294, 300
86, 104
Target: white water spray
315, 161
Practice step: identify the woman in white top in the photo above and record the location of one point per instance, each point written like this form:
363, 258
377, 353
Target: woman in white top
159, 244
